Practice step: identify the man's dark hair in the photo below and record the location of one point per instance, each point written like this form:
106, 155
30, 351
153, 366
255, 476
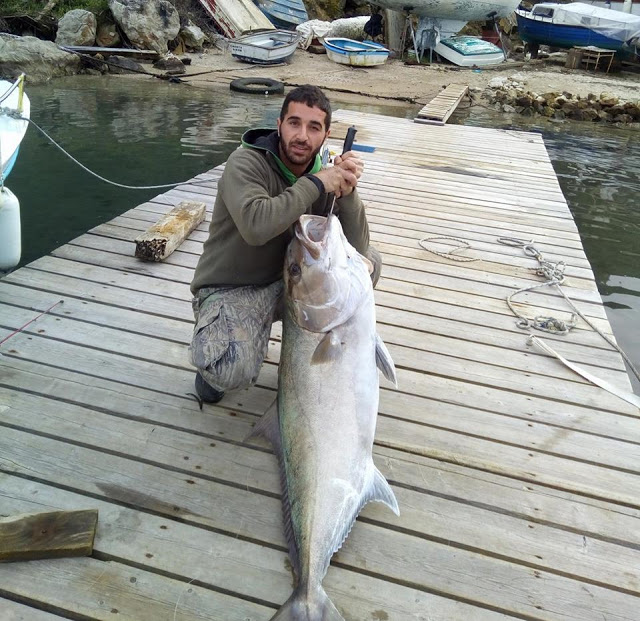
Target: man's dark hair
311, 96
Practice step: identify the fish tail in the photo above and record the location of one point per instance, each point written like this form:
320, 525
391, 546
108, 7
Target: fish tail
301, 607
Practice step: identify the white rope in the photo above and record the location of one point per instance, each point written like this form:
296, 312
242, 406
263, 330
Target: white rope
629, 397
554, 273
460, 246
15, 115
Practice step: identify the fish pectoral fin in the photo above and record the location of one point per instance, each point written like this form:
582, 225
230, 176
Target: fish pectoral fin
268, 426
329, 349
384, 361
380, 491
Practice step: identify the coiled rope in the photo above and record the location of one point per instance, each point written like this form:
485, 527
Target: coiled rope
554, 275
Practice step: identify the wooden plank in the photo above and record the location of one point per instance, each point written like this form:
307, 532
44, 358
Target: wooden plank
219, 562
88, 588
494, 493
393, 554
54, 534
161, 239
15, 611
444, 104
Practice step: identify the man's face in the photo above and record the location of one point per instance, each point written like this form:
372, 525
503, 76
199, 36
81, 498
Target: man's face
302, 134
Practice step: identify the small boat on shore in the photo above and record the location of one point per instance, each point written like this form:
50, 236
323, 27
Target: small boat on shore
270, 47
356, 53
578, 25
469, 51
285, 14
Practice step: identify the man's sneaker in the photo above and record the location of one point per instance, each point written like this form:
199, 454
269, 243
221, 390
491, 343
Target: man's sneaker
207, 393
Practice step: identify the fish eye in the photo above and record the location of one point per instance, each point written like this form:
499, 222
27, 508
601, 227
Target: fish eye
294, 270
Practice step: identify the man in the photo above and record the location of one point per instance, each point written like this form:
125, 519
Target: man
266, 186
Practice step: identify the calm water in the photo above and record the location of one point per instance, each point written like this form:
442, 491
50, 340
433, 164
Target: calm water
144, 133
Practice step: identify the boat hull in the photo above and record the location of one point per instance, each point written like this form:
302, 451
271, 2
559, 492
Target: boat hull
355, 53
285, 14
236, 17
469, 52
12, 130
268, 48
471, 10
563, 36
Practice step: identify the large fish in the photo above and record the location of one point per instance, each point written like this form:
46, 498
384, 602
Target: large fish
322, 429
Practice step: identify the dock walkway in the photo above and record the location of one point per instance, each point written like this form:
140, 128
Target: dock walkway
517, 481
443, 105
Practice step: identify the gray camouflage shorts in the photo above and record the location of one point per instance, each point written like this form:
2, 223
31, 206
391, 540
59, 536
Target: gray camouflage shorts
232, 330
231, 334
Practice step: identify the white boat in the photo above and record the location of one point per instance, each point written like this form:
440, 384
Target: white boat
265, 48
13, 101
355, 53
469, 51
15, 110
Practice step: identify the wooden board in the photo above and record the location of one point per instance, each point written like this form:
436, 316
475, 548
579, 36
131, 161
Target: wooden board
518, 481
439, 109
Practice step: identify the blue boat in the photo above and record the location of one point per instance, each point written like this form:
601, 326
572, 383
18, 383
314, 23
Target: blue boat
578, 25
285, 14
356, 53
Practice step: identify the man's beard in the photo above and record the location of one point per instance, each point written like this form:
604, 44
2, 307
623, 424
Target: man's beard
298, 158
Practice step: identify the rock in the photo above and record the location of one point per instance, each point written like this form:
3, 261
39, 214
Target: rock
77, 27
590, 115
169, 62
633, 109
560, 101
525, 101
107, 35
548, 111
120, 64
192, 36
498, 82
607, 99
40, 60
508, 108
623, 118
149, 24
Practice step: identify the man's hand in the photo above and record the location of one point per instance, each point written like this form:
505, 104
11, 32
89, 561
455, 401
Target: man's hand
342, 177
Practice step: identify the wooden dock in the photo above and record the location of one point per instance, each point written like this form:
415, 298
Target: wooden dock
517, 481
443, 105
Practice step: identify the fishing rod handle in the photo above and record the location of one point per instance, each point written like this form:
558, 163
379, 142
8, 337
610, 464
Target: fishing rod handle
348, 141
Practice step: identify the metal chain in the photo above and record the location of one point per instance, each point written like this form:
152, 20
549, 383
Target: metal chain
462, 245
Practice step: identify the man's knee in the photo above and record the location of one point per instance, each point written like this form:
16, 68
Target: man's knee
376, 259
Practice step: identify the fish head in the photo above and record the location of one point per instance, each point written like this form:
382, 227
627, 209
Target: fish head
325, 277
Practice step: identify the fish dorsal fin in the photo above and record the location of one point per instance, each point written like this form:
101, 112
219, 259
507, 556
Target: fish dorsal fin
269, 427
329, 349
384, 361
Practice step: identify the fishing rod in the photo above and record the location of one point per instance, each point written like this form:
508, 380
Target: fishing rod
348, 144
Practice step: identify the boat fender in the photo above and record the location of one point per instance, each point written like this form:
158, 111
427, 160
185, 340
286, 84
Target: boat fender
257, 86
10, 245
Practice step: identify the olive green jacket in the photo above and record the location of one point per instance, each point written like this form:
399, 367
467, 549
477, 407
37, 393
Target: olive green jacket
254, 213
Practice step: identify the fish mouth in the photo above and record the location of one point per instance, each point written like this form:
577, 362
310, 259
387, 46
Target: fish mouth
312, 232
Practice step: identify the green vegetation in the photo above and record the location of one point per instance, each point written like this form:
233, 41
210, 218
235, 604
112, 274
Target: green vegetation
33, 7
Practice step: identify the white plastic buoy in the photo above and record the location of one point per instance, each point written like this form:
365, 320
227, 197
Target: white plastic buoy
10, 244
